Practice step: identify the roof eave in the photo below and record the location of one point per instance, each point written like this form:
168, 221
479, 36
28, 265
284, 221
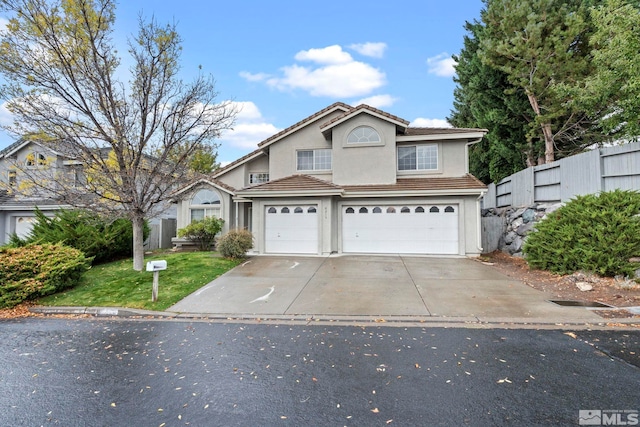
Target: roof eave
414, 193
288, 193
440, 136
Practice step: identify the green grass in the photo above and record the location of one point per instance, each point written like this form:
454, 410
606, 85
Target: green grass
116, 284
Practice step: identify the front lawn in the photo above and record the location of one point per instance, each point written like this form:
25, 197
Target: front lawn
116, 284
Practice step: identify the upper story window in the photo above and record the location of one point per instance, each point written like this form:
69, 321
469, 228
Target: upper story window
418, 157
258, 177
12, 178
34, 160
363, 134
204, 204
313, 160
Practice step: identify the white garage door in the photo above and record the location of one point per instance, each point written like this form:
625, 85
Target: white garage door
410, 229
291, 229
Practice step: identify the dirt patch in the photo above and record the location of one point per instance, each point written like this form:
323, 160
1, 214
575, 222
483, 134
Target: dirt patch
618, 293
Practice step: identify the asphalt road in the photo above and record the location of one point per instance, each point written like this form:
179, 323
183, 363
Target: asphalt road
169, 373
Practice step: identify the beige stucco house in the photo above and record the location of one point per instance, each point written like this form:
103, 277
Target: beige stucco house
349, 180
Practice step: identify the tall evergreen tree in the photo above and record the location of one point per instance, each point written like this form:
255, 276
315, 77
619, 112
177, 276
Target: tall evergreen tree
484, 98
540, 45
612, 92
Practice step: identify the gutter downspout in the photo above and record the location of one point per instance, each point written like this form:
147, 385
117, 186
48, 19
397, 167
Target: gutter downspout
466, 153
479, 225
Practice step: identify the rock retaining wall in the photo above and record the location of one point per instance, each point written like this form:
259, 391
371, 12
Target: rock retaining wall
518, 222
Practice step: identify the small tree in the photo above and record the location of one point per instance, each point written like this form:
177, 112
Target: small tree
136, 141
202, 232
97, 237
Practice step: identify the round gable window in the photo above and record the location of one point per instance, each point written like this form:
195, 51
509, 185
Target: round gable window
363, 134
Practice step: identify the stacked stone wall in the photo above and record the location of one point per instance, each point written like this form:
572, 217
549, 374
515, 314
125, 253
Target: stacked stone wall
518, 223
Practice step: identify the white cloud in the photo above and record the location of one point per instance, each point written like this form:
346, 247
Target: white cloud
3, 24
421, 122
378, 101
257, 77
333, 73
329, 55
374, 50
338, 81
442, 65
250, 128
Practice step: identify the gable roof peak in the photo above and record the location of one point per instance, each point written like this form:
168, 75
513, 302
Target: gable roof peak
364, 108
333, 107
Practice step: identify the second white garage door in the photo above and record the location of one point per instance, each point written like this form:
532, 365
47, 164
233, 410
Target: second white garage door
410, 229
291, 229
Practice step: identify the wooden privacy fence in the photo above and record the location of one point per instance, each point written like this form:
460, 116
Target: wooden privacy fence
603, 169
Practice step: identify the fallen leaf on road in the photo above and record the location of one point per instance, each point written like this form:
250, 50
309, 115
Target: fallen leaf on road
571, 334
375, 410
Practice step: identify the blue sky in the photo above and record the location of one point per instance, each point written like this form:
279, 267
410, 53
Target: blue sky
283, 60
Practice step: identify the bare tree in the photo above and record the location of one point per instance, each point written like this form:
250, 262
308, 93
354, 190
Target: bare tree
133, 141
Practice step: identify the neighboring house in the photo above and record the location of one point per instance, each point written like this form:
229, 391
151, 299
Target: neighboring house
17, 213
349, 180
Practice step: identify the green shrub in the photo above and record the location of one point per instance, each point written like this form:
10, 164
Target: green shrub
33, 271
235, 244
595, 233
203, 232
89, 232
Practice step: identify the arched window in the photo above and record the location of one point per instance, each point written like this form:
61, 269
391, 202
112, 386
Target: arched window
363, 210
205, 203
363, 134
434, 209
391, 209
405, 210
449, 209
272, 210
349, 211
311, 210
284, 210
419, 209
377, 210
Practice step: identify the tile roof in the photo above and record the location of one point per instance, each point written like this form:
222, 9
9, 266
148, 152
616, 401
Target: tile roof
294, 183
363, 107
312, 117
467, 182
310, 183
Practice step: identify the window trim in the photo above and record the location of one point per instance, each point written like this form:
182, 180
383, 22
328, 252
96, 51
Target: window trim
259, 181
208, 210
314, 150
416, 171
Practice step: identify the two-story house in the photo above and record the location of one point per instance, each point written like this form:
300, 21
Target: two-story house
26, 161
349, 180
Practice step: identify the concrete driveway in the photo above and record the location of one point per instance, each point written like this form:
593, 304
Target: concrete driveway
384, 286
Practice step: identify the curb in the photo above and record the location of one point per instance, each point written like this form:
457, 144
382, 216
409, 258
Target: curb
434, 321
